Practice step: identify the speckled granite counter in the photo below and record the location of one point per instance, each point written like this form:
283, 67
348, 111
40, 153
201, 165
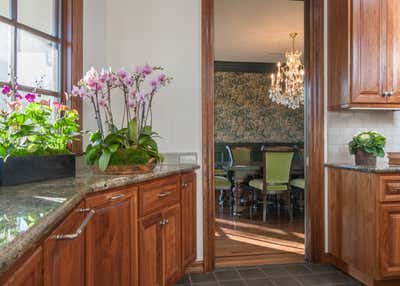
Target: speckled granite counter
366, 169
28, 212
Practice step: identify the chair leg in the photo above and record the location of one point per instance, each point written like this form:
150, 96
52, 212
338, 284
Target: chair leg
265, 208
278, 199
221, 198
290, 206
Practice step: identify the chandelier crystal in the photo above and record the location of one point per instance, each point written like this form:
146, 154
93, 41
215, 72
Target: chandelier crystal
287, 85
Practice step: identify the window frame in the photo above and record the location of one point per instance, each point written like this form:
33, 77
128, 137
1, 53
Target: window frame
69, 37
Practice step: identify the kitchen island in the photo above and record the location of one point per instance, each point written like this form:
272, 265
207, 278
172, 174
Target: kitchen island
102, 213
364, 222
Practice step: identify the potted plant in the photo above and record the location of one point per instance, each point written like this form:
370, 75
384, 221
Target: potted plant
366, 146
34, 137
129, 148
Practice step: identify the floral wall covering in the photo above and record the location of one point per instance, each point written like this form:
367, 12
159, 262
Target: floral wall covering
245, 114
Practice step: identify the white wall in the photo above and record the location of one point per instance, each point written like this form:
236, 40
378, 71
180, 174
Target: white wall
121, 33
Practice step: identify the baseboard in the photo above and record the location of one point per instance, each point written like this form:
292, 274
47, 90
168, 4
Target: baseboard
195, 267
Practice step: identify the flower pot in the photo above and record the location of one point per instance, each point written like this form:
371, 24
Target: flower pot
365, 159
128, 169
29, 169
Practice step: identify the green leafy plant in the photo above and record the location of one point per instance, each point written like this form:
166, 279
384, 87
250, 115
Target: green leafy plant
32, 126
370, 142
134, 142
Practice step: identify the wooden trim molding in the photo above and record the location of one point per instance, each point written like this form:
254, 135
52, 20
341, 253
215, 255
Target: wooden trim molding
315, 118
314, 88
208, 133
244, 67
72, 51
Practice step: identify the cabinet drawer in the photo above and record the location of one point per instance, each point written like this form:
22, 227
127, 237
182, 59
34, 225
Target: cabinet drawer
389, 188
115, 195
158, 194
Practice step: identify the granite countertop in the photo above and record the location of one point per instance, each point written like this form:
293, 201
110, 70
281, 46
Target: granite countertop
366, 169
28, 212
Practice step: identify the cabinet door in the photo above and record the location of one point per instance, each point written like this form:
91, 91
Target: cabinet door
110, 239
29, 273
63, 256
188, 206
366, 45
389, 239
150, 251
172, 258
392, 11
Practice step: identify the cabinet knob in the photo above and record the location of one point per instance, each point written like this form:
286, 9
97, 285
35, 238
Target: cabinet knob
385, 93
390, 93
184, 185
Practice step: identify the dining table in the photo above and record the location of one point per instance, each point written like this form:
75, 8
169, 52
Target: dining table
240, 174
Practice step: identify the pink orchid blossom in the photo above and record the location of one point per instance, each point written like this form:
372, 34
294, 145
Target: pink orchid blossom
91, 78
102, 102
132, 102
128, 81
162, 79
147, 70
30, 97
6, 90
122, 74
18, 96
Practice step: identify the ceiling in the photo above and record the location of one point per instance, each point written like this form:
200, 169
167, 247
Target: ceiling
257, 30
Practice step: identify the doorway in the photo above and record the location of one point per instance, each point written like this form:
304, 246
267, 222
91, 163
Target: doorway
259, 132
314, 135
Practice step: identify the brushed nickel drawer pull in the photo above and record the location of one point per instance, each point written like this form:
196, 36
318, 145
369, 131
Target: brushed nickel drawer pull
164, 195
116, 197
80, 229
185, 185
166, 221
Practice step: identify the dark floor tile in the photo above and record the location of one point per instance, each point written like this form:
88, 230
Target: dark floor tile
251, 273
232, 283
312, 280
337, 278
224, 269
259, 282
285, 281
320, 268
185, 280
324, 279
274, 270
227, 275
297, 269
213, 283
202, 277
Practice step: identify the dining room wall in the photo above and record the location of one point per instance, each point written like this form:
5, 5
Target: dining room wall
244, 113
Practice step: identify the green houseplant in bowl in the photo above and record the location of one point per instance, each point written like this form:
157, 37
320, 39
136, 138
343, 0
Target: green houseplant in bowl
367, 146
34, 137
131, 147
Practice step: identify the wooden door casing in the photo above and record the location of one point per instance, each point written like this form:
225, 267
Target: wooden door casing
64, 260
150, 251
171, 242
30, 272
111, 239
189, 218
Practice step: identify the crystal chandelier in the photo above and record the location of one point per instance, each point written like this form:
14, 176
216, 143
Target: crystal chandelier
287, 86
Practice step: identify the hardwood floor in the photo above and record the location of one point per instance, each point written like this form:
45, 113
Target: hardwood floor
246, 241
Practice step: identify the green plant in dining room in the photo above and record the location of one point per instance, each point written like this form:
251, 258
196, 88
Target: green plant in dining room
31, 125
369, 142
132, 143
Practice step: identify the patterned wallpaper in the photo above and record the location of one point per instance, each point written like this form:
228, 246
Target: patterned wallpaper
244, 112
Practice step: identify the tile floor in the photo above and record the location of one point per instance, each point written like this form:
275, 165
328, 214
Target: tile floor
272, 275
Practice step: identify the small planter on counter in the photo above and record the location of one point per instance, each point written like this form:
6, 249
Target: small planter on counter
28, 169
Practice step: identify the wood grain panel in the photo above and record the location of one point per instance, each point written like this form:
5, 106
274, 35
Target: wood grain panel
30, 273
157, 194
172, 245
389, 240
64, 260
150, 252
189, 218
389, 188
110, 239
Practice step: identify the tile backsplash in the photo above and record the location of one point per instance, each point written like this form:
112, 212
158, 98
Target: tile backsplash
343, 125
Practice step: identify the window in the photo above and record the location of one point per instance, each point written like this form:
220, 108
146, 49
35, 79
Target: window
42, 39
31, 44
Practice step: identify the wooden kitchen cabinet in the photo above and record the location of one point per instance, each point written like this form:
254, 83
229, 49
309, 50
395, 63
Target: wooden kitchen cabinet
111, 249
188, 206
29, 273
363, 49
64, 250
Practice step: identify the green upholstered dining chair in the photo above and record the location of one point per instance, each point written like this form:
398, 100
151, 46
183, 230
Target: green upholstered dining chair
298, 183
276, 177
222, 184
241, 155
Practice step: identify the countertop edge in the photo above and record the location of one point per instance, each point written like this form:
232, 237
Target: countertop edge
29, 239
365, 169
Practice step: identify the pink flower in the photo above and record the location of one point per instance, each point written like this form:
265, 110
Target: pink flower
30, 97
141, 98
6, 90
162, 79
147, 69
18, 96
122, 74
128, 81
132, 103
57, 105
45, 102
76, 91
15, 105
154, 85
102, 102
91, 78
99, 85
